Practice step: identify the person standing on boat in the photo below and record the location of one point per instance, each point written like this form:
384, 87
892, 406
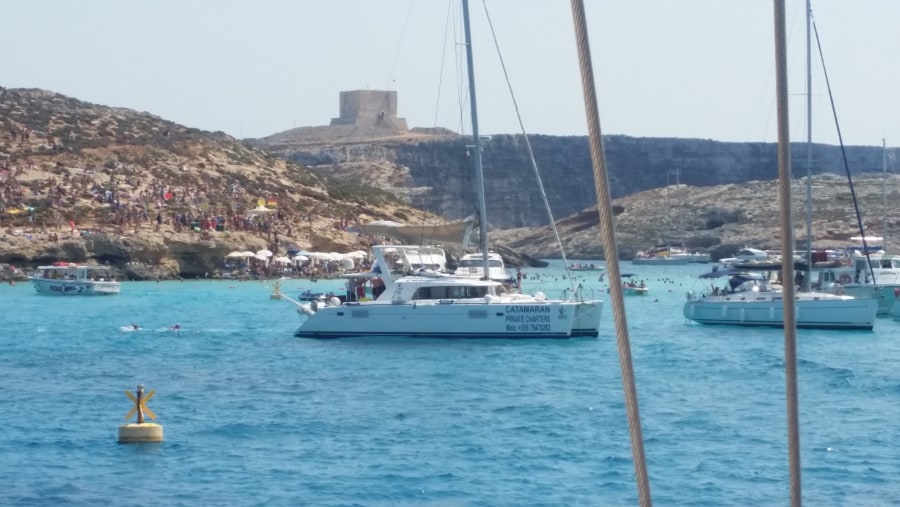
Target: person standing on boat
351, 289
377, 287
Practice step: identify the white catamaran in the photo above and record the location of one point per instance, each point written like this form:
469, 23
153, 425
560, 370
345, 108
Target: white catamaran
430, 303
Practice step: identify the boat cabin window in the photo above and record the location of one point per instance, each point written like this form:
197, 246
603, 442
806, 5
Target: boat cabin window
887, 263
450, 292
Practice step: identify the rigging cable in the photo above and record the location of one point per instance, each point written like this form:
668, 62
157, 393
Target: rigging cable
837, 126
399, 45
607, 229
437, 106
428, 203
534, 165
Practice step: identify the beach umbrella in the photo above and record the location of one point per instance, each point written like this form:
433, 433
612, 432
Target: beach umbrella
357, 254
259, 210
264, 253
281, 260
234, 255
247, 253
300, 258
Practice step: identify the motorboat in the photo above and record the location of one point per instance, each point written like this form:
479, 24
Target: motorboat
635, 290
751, 298
69, 278
667, 256
874, 274
746, 254
580, 266
632, 288
472, 265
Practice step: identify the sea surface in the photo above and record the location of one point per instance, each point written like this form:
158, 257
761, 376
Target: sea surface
255, 416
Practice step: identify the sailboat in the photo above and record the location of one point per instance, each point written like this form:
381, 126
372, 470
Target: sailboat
424, 302
752, 297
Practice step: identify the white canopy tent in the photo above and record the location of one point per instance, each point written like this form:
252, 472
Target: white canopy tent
259, 210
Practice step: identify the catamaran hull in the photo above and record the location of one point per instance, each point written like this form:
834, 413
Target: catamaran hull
818, 314
587, 319
453, 319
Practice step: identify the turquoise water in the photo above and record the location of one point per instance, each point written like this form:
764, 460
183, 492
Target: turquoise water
255, 416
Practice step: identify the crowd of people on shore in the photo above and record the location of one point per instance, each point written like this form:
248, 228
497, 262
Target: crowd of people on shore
132, 202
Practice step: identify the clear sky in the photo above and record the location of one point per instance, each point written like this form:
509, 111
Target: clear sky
664, 68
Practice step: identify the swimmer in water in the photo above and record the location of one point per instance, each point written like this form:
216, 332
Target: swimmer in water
176, 327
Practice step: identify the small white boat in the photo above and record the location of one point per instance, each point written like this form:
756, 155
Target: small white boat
632, 288
68, 278
635, 291
662, 256
585, 267
472, 266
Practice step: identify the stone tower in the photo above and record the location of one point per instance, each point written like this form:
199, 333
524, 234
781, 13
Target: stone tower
370, 108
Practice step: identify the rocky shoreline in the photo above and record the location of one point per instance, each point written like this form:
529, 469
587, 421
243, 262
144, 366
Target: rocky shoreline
137, 255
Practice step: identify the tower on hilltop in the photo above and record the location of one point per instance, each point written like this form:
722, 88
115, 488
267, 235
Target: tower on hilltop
370, 108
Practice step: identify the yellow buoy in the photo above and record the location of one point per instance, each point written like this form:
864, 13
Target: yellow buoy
140, 431
276, 294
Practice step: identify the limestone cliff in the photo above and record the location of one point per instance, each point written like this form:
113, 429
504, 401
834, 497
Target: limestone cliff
434, 172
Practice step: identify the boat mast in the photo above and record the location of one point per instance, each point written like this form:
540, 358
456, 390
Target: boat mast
884, 226
807, 279
476, 139
787, 253
680, 208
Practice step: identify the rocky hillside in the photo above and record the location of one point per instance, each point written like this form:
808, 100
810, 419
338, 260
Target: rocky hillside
87, 182
721, 219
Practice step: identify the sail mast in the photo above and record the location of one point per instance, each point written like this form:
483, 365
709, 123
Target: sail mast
787, 254
808, 278
476, 139
884, 226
